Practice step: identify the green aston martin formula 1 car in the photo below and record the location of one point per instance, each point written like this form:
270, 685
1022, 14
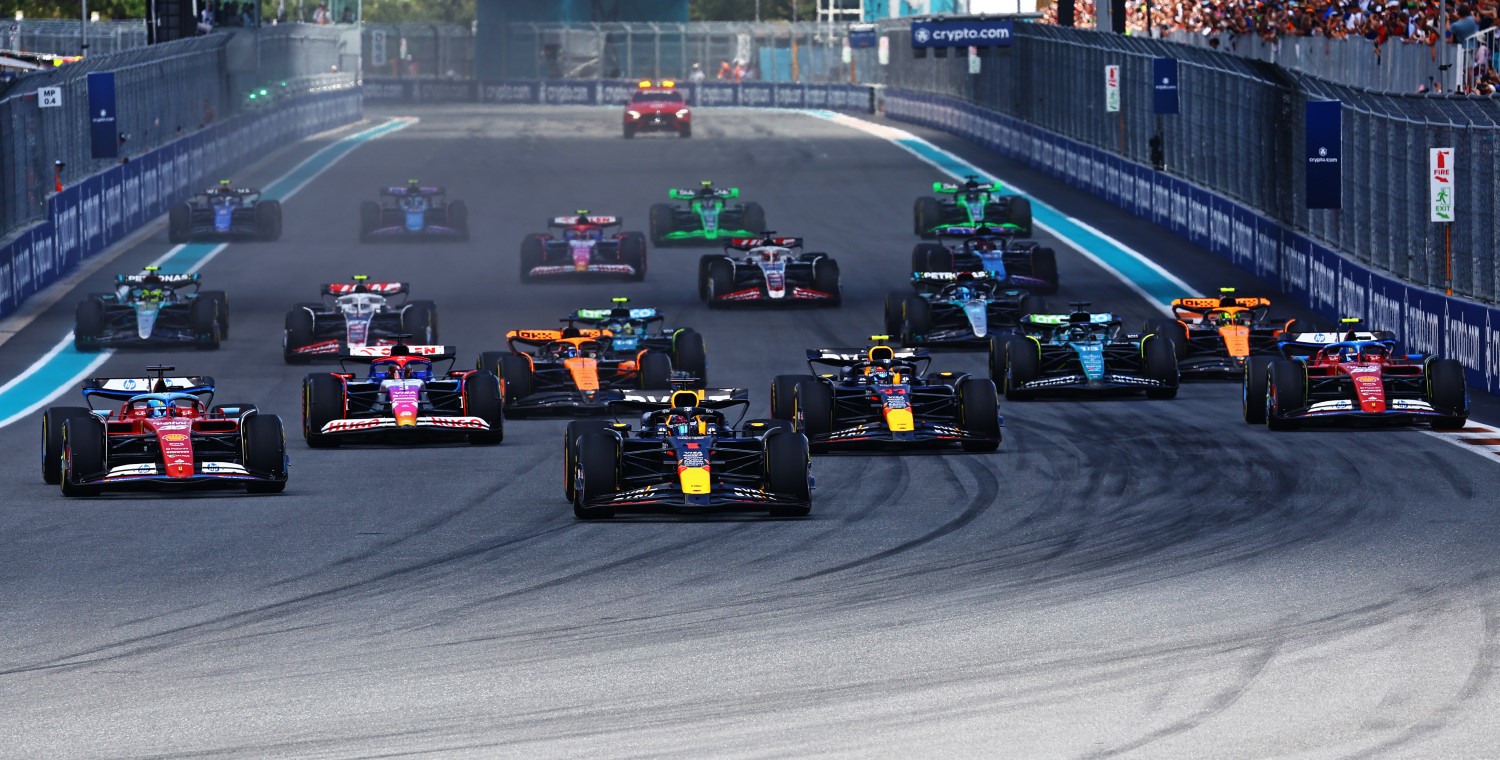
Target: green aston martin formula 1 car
706, 217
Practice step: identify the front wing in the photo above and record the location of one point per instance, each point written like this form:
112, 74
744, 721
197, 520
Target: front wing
665, 494
386, 426
206, 475
877, 432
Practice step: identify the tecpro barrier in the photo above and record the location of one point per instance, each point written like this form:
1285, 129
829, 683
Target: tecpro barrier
836, 97
90, 215
1332, 284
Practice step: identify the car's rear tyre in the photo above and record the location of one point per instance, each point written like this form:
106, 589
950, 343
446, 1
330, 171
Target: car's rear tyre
979, 413
926, 214
482, 399
931, 257
203, 317
1286, 392
996, 344
516, 372
895, 301
179, 224
663, 222
1019, 214
221, 304
263, 444
576, 429
533, 255
784, 395
655, 371
787, 464
52, 439
1161, 365
1253, 389
88, 325
1044, 267
597, 470
420, 321
1173, 331
322, 403
720, 276
690, 355
1448, 391
1022, 365
826, 279
633, 253
268, 220
754, 219
369, 220
84, 455
916, 320
298, 333
458, 218
813, 402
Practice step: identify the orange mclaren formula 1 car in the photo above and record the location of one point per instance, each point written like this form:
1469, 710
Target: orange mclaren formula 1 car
572, 371
1214, 336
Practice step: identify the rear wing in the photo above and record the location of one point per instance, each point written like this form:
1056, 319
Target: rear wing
1330, 338
402, 191
687, 195
952, 276
1214, 303
600, 315
951, 188
378, 288
165, 279
534, 338
961, 231
709, 398
584, 220
745, 244
371, 353
126, 388
846, 356
1063, 320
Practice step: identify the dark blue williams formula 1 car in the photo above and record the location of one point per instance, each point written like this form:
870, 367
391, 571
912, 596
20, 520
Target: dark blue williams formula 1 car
225, 213
413, 212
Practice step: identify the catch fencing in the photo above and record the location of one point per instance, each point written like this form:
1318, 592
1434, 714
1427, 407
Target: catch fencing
1396, 66
1241, 133
62, 37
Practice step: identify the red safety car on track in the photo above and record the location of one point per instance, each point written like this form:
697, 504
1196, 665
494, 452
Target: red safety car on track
658, 107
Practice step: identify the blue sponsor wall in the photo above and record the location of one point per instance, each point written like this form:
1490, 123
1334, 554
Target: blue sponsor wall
91, 215
1333, 285
837, 97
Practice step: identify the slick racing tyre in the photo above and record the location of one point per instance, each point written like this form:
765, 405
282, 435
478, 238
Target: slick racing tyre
655, 371
663, 222
88, 325
755, 218
813, 402
1172, 331
1019, 214
52, 439
931, 257
516, 372
458, 218
787, 463
369, 220
1254, 388
720, 277
263, 445
576, 429
482, 399
997, 357
597, 470
533, 255
322, 403
1161, 366
1448, 392
690, 355
221, 303
633, 254
203, 317
84, 456
1044, 267
916, 321
894, 302
1022, 365
784, 395
268, 220
926, 214
826, 279
979, 413
299, 332
179, 224
420, 321
1286, 392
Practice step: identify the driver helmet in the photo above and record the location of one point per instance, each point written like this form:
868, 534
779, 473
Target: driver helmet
150, 294
569, 352
155, 407
1078, 332
1348, 354
680, 425
881, 375
963, 292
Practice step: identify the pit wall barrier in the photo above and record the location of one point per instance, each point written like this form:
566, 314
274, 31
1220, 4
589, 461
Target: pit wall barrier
1332, 284
103, 209
836, 97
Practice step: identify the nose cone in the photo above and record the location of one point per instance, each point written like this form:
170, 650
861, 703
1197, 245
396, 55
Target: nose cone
899, 420
694, 480
406, 418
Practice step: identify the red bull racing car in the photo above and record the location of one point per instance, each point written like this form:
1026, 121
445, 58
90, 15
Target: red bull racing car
685, 453
886, 396
768, 270
401, 399
166, 434
586, 246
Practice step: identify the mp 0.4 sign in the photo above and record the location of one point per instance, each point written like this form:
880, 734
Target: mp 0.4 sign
49, 97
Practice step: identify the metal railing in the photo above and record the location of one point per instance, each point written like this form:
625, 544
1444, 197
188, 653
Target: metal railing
63, 37
162, 92
1395, 66
1241, 131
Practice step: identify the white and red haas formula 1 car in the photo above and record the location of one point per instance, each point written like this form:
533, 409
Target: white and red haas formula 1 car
768, 270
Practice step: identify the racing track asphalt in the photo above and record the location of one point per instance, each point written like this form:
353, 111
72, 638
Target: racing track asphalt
1124, 578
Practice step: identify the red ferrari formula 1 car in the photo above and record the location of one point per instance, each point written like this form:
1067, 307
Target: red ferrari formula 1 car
164, 435
658, 107
587, 246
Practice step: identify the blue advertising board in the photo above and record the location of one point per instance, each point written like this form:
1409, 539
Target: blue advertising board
104, 137
1164, 85
1325, 148
965, 33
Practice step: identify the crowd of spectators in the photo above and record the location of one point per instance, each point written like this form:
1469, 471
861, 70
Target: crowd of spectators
1470, 26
